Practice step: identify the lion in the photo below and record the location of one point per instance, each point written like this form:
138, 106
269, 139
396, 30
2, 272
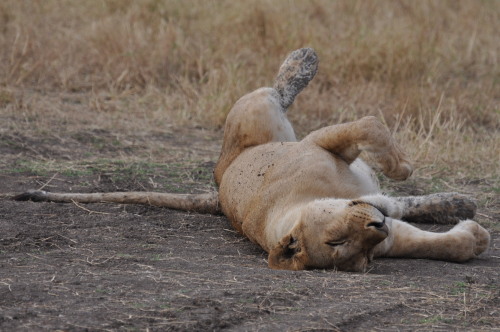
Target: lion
315, 203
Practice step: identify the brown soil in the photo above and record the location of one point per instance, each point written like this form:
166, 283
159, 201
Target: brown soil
94, 267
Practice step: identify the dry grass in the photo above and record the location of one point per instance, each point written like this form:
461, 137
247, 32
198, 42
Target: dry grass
429, 68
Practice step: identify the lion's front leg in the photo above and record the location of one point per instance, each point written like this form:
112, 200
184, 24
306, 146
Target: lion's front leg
463, 242
368, 134
441, 208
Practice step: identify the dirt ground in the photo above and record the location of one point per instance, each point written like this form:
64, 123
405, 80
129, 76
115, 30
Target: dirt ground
104, 267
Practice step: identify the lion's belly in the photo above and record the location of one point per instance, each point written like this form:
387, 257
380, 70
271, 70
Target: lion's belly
275, 176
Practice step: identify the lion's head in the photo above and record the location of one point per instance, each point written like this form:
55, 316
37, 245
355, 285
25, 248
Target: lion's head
339, 234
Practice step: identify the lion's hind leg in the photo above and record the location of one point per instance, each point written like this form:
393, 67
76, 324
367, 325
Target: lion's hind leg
259, 117
294, 75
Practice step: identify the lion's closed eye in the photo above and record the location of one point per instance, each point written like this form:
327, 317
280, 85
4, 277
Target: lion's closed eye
336, 243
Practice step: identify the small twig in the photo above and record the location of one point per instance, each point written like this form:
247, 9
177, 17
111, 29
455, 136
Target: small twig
67, 238
89, 211
335, 327
6, 284
46, 183
7, 195
484, 215
99, 263
465, 306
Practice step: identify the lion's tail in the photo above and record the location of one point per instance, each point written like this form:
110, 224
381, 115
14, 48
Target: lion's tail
201, 203
295, 73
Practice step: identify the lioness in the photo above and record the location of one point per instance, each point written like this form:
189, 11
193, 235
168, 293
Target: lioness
314, 203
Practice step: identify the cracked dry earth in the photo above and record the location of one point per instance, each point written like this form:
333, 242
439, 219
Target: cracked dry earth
104, 267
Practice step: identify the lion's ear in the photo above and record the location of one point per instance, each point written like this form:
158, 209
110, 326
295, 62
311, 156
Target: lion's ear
284, 255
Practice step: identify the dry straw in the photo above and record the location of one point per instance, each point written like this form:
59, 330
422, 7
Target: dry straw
428, 68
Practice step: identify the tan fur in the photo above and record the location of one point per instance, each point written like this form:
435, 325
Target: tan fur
314, 203
202, 203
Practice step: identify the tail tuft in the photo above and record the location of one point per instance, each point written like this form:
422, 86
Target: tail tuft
295, 73
32, 195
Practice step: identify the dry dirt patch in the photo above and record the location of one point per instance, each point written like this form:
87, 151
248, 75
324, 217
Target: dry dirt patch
121, 267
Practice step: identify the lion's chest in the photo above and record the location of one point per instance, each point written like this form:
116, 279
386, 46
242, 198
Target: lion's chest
275, 176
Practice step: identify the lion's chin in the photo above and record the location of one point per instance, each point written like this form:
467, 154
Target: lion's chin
360, 265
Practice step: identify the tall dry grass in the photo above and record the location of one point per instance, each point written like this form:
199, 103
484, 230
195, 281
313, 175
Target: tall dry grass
430, 69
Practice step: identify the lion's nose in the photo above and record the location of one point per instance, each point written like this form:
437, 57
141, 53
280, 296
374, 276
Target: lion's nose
378, 225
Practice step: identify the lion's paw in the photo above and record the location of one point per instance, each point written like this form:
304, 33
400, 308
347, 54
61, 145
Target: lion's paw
440, 208
403, 171
457, 205
480, 235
